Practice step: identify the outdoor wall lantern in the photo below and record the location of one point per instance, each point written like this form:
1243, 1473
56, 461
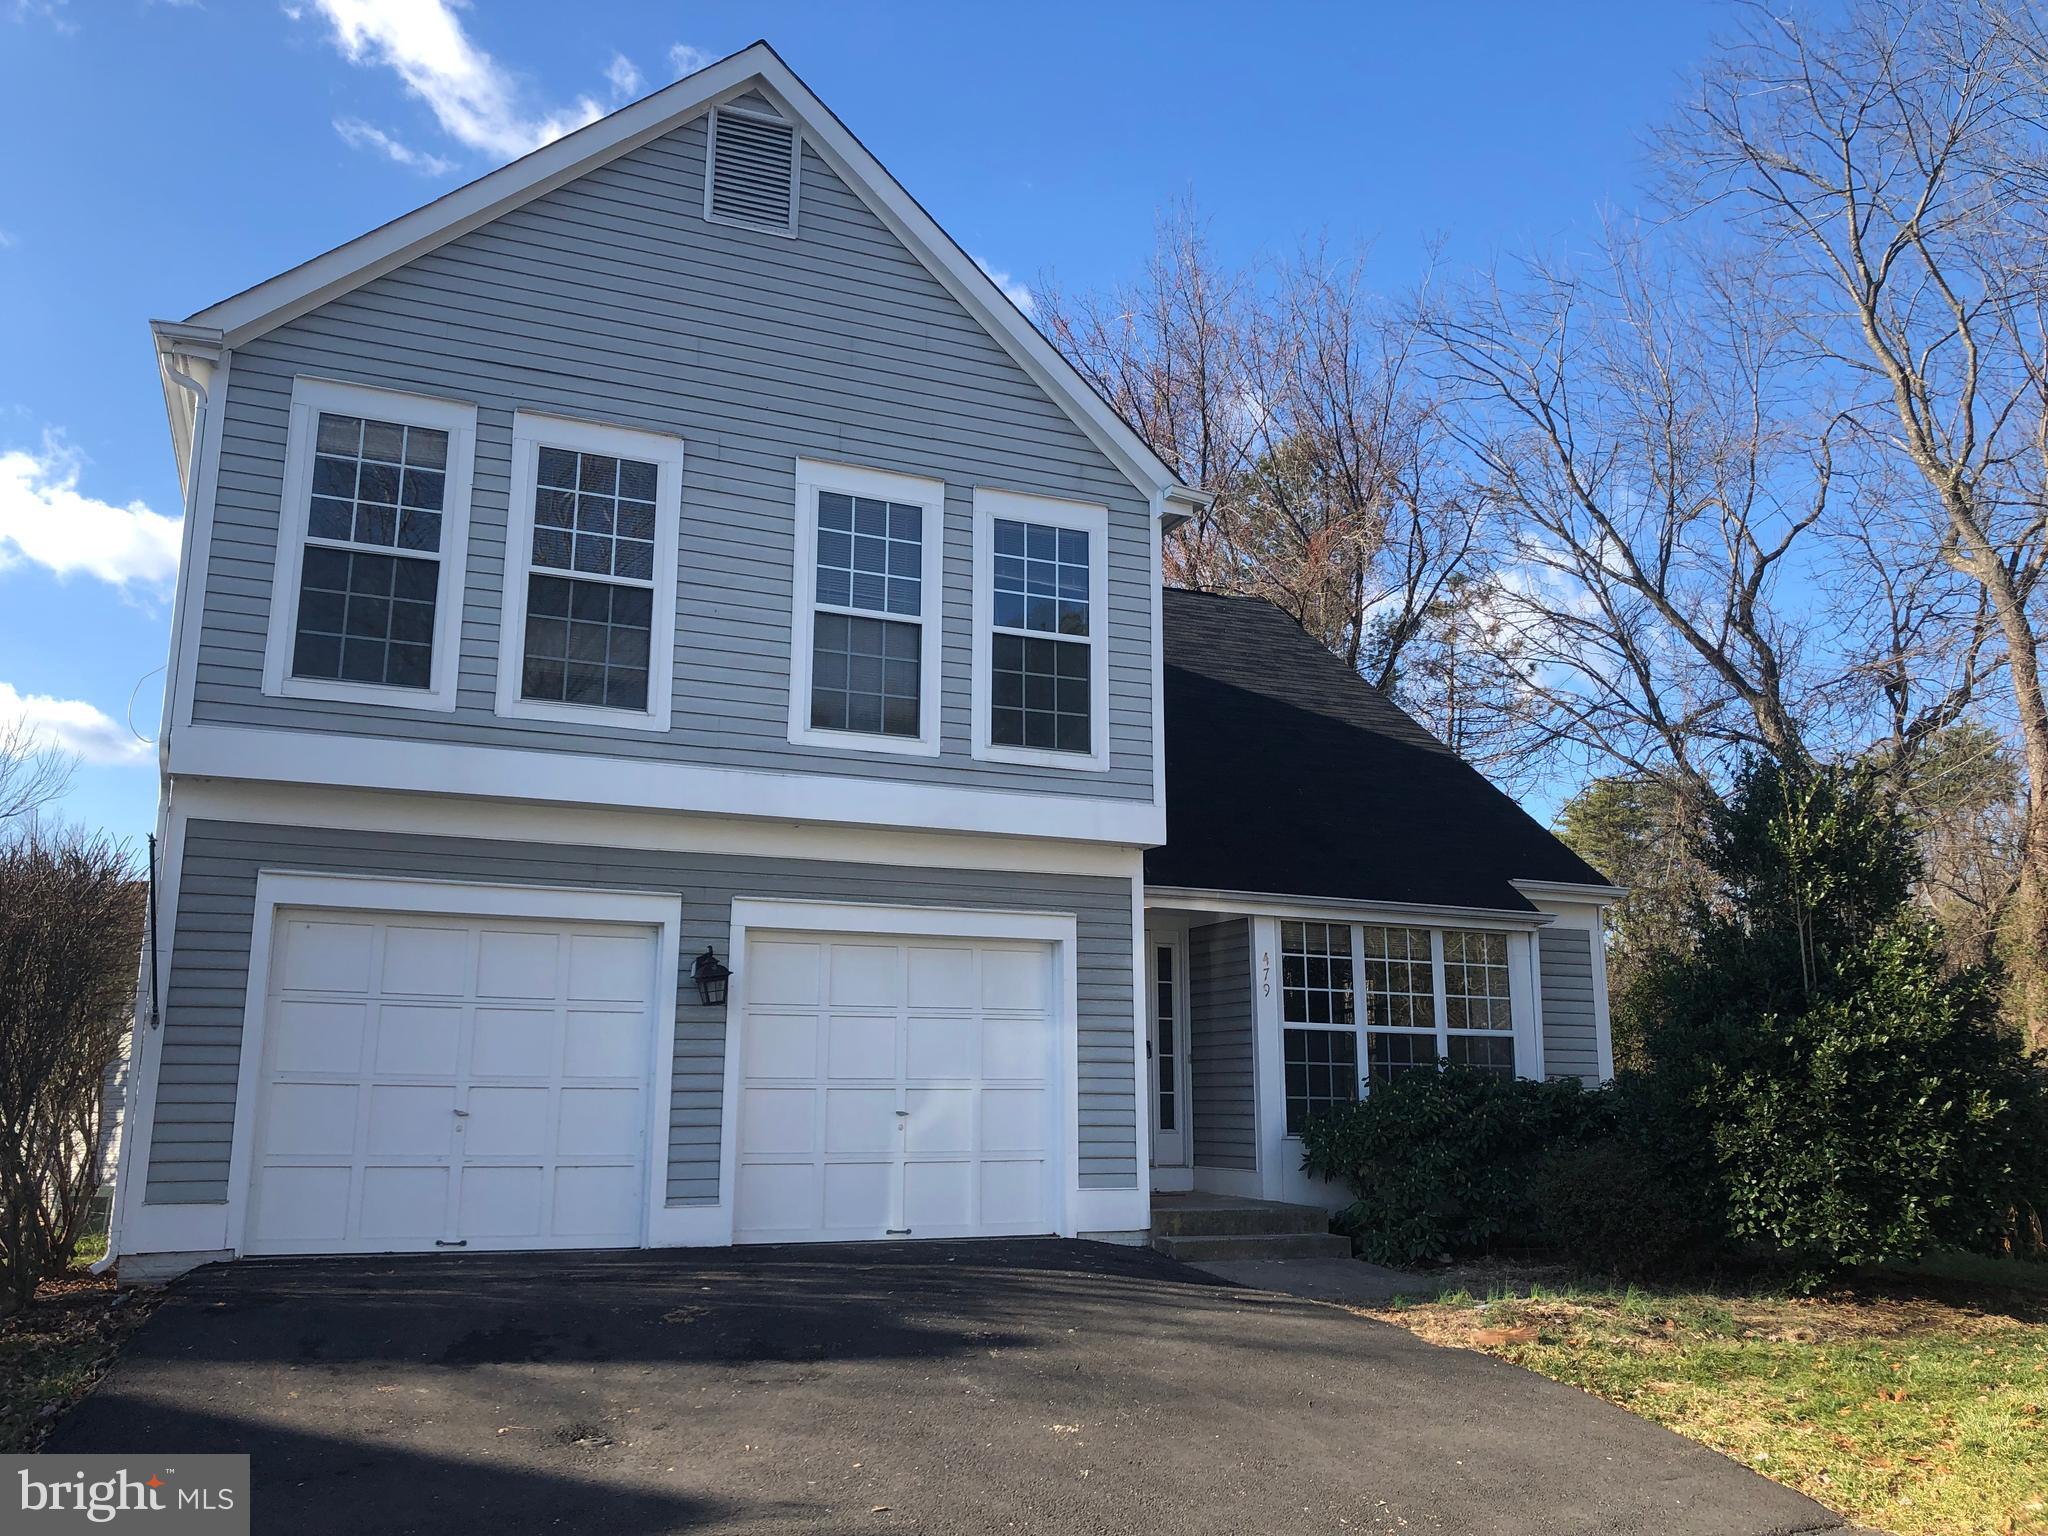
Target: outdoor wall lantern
710, 977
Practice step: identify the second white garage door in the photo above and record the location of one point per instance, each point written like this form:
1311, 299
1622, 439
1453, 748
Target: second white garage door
895, 1088
432, 1083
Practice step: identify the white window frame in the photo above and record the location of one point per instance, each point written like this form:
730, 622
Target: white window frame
812, 477
310, 397
990, 505
531, 431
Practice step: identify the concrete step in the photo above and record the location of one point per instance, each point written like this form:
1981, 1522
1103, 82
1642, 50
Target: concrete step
1257, 1245
1236, 1220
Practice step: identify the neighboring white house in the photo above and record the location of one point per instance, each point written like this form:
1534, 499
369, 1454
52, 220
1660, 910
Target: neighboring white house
671, 554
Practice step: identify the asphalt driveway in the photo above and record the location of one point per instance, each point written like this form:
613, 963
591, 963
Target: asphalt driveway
960, 1387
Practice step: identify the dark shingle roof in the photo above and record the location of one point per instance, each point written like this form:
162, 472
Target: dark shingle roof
1287, 773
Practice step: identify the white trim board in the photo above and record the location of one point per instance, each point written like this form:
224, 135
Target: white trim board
345, 761
269, 304
1335, 909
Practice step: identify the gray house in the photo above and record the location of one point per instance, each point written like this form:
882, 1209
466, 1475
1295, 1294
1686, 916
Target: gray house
670, 556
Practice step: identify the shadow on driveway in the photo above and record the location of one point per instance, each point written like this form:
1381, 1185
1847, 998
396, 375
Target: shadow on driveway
941, 1387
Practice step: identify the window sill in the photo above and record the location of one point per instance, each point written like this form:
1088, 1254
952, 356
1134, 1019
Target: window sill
334, 690
1038, 757
862, 741
593, 715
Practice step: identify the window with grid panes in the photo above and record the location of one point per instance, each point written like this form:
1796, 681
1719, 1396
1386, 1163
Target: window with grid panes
867, 635
1040, 657
1400, 1001
1478, 1013
590, 592
1316, 989
371, 565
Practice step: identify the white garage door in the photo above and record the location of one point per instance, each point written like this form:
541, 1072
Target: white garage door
895, 1088
434, 1083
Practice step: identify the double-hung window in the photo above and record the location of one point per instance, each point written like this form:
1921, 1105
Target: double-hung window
1319, 1041
1041, 669
1478, 1018
590, 574
1400, 1001
372, 537
865, 647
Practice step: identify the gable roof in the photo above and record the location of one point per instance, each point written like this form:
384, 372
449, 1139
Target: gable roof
1289, 775
254, 311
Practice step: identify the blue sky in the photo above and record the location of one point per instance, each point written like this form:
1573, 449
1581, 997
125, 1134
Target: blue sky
166, 153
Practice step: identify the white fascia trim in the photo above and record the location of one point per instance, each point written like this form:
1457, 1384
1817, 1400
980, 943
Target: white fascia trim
196, 548
1565, 890
457, 418
375, 810
531, 431
1258, 903
1156, 537
251, 313
284, 889
1051, 512
1060, 930
929, 496
592, 779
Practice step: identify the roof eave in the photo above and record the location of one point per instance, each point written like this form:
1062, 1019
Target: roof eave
1572, 890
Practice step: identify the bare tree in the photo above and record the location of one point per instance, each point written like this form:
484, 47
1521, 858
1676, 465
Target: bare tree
31, 773
1635, 430
1894, 171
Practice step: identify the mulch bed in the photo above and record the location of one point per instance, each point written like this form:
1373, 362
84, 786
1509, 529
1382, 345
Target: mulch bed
54, 1351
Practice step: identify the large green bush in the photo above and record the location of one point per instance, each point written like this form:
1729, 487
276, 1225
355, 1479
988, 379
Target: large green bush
1837, 1093
1441, 1162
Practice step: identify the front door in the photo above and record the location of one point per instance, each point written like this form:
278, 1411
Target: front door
1168, 989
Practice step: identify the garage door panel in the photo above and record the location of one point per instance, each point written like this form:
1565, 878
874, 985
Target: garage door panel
302, 1205
418, 1040
782, 1045
1014, 1195
311, 1119
1013, 1048
859, 1120
501, 1202
410, 1120
405, 1201
785, 973
946, 1047
778, 1121
865, 976
604, 1045
942, 977
516, 1042
427, 1081
506, 1122
861, 1046
857, 1197
939, 1120
315, 1036
519, 965
598, 1122
1013, 1120
938, 1195
328, 956
603, 969
1014, 978
780, 1196
428, 961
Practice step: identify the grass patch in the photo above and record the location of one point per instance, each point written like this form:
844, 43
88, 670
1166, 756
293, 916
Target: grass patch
55, 1350
1915, 1402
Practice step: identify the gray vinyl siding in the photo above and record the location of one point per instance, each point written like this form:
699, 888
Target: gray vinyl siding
1571, 1030
613, 300
1221, 1050
216, 904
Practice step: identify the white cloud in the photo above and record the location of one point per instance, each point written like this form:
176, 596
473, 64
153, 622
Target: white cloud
46, 520
7, 241
476, 100
686, 60
1013, 290
358, 134
72, 725
624, 75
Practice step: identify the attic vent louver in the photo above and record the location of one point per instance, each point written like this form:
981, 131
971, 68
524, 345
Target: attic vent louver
751, 176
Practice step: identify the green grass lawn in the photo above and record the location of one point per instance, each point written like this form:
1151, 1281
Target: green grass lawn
1916, 1402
